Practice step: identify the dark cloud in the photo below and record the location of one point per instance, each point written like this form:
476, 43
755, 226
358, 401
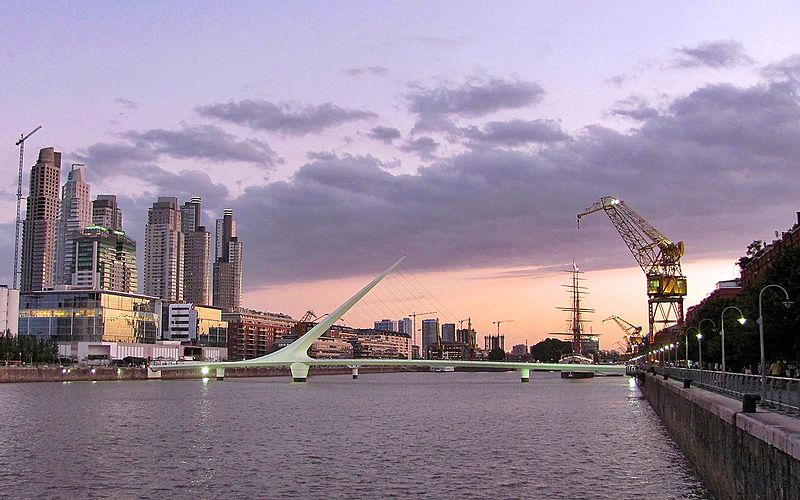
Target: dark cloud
517, 132
285, 118
714, 168
384, 134
369, 70
424, 147
617, 80
717, 54
436, 107
126, 103
635, 108
788, 68
204, 142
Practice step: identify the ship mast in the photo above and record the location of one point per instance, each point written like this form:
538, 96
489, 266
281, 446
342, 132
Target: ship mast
576, 311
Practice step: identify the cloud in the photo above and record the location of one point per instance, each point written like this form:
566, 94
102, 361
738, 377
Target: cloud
424, 147
493, 207
384, 134
634, 108
788, 68
286, 118
369, 70
435, 107
442, 42
126, 103
204, 142
617, 80
717, 54
517, 132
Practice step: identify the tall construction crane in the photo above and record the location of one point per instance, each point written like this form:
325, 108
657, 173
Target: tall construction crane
467, 335
413, 316
633, 334
659, 258
18, 222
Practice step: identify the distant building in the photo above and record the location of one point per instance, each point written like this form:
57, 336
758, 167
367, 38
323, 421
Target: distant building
197, 254
430, 334
331, 348
448, 332
75, 214
38, 265
163, 251
196, 324
458, 351
386, 325
752, 269
106, 213
491, 342
519, 349
9, 310
104, 259
381, 344
252, 333
227, 289
405, 325
728, 289
90, 316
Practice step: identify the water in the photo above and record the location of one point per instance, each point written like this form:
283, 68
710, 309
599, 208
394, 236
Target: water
432, 435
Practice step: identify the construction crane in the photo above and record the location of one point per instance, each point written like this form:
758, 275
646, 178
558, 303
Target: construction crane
501, 321
467, 336
414, 327
21, 144
633, 334
657, 255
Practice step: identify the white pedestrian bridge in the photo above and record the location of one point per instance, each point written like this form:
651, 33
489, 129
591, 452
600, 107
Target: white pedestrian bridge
296, 357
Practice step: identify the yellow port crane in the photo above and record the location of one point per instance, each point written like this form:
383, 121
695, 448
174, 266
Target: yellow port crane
633, 334
659, 258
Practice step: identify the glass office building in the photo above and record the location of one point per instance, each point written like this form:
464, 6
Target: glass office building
90, 316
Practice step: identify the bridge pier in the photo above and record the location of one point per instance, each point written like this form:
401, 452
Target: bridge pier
220, 373
299, 372
524, 375
355, 372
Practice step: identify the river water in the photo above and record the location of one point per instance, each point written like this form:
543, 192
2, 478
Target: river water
401, 435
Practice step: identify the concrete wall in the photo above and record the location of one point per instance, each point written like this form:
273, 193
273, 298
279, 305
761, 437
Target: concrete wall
738, 455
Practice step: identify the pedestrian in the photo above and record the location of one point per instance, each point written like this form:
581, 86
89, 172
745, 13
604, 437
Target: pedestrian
775, 368
747, 370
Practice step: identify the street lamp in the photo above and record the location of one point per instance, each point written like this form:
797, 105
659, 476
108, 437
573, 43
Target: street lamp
686, 341
700, 354
787, 303
742, 320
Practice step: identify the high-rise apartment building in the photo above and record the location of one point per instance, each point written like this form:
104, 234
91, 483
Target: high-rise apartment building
163, 251
448, 332
41, 221
386, 325
197, 255
430, 335
227, 265
106, 213
105, 259
405, 326
75, 214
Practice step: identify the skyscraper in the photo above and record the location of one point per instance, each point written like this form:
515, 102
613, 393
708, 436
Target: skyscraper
405, 326
105, 259
197, 255
430, 334
75, 214
106, 213
41, 220
163, 251
227, 265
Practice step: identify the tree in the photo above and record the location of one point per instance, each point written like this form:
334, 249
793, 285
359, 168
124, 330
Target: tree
550, 350
497, 354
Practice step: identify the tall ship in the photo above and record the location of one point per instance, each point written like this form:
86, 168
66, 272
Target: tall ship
580, 340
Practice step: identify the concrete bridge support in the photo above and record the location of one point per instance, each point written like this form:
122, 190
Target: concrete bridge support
524, 375
299, 372
220, 373
355, 372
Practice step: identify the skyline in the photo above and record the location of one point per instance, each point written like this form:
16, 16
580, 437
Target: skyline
467, 142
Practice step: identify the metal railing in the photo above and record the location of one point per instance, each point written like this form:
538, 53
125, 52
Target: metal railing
781, 394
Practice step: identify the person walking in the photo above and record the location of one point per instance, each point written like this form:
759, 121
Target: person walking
775, 368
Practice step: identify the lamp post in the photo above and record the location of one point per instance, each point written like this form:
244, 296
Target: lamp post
741, 320
700, 354
787, 303
686, 341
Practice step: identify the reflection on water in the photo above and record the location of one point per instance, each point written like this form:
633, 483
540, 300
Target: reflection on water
439, 435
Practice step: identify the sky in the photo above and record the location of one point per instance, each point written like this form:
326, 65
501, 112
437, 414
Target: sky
464, 135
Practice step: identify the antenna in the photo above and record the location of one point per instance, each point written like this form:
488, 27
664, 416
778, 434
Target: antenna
18, 223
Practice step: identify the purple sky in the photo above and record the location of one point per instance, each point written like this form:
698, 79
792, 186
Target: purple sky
465, 135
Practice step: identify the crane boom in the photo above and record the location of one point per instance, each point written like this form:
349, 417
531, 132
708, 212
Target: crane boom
657, 255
